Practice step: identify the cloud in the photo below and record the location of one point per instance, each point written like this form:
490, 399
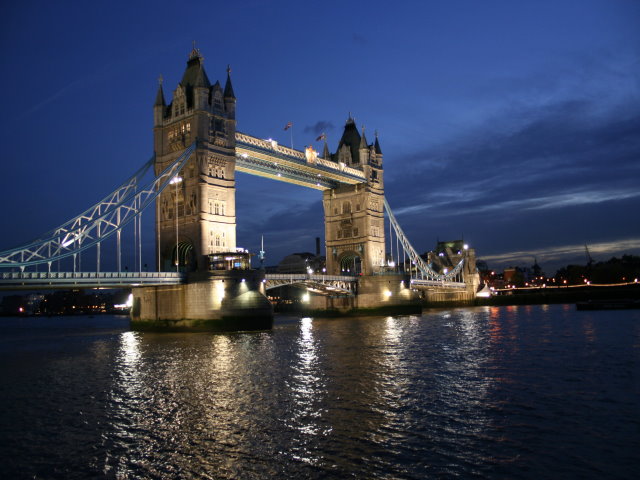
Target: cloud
440, 208
527, 181
321, 126
564, 155
561, 254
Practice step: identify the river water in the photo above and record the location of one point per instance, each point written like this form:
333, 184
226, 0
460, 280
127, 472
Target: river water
489, 392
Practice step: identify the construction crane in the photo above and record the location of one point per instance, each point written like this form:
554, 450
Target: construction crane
589, 258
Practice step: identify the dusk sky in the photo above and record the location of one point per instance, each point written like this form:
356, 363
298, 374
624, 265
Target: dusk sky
515, 125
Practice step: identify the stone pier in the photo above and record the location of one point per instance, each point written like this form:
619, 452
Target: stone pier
209, 301
376, 294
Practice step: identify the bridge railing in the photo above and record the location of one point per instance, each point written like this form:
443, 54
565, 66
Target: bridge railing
47, 280
310, 276
437, 283
89, 275
272, 146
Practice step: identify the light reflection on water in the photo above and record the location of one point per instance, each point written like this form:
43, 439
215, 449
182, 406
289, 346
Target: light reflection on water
526, 392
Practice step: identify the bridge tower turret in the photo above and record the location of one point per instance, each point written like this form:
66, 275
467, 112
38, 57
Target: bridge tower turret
354, 214
196, 215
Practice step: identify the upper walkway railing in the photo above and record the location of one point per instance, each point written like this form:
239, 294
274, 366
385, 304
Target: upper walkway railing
269, 159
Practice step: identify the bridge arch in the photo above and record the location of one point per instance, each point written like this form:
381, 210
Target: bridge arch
182, 255
350, 263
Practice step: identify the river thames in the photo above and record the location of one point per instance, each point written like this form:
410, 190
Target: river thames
488, 392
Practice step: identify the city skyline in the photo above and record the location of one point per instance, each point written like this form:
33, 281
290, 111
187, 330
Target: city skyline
515, 127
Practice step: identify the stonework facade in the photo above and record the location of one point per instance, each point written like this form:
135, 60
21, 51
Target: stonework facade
200, 206
354, 214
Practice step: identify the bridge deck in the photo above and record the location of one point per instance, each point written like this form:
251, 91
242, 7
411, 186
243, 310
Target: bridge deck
317, 283
268, 159
50, 280
417, 283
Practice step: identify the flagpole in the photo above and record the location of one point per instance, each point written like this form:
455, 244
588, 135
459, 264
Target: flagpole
291, 136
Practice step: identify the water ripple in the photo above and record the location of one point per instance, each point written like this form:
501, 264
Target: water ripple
510, 392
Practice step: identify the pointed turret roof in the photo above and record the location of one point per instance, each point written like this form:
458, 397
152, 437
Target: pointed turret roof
194, 75
325, 151
377, 145
363, 140
228, 88
160, 95
351, 138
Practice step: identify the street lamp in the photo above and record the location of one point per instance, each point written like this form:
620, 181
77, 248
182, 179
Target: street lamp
175, 181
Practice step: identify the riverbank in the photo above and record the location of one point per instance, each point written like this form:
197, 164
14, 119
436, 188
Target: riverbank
550, 295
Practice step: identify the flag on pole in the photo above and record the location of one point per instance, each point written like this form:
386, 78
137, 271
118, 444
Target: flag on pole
288, 125
321, 137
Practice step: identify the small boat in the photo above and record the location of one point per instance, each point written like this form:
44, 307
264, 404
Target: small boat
621, 304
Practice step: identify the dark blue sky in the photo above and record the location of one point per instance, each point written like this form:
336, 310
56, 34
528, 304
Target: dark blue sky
513, 124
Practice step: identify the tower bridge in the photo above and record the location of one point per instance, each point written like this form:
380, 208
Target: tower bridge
202, 279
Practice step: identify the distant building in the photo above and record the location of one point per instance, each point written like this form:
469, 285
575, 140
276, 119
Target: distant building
301, 263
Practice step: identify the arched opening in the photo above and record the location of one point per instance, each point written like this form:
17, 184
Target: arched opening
183, 256
350, 264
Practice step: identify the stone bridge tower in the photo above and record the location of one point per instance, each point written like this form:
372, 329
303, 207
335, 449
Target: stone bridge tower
200, 207
354, 214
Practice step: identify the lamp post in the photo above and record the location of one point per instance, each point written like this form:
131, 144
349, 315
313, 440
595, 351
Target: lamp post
176, 180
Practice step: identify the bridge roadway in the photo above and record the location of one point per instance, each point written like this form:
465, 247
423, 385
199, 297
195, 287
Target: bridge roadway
417, 283
317, 283
50, 280
266, 158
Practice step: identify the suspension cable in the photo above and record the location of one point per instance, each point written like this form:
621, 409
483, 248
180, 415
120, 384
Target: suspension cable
421, 265
97, 223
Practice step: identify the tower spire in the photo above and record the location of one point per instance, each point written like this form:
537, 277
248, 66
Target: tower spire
377, 145
160, 95
363, 139
228, 88
325, 151
195, 53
